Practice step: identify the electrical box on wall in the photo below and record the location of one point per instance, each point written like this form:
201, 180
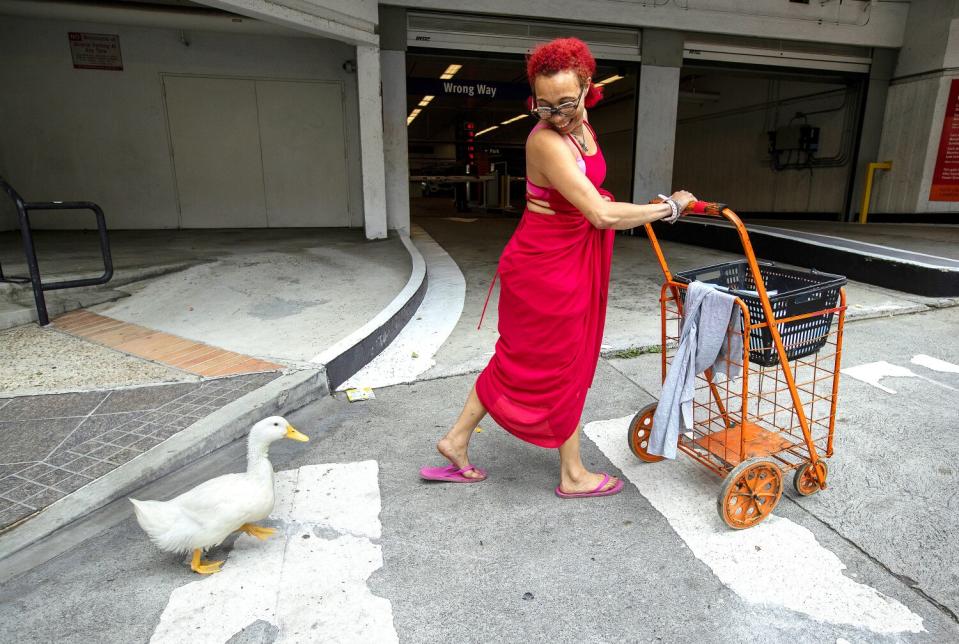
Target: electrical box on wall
804, 138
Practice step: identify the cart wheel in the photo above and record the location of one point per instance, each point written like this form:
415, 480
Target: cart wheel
750, 492
805, 482
639, 429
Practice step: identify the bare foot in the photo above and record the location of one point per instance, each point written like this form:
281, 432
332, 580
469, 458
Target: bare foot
586, 482
456, 454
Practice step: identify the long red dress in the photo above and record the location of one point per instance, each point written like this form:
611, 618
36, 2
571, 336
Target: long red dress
554, 276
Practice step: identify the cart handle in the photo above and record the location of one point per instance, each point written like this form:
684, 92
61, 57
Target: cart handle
713, 209
708, 209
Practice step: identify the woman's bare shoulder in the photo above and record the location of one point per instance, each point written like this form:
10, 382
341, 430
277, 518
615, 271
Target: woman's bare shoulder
545, 141
542, 135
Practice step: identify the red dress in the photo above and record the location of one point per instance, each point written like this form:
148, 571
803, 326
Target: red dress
554, 284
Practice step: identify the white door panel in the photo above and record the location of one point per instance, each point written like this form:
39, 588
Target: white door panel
304, 153
216, 151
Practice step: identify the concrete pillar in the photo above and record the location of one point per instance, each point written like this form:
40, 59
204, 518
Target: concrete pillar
656, 114
371, 140
926, 66
877, 89
393, 60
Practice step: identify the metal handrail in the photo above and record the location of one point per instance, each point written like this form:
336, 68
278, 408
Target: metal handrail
29, 249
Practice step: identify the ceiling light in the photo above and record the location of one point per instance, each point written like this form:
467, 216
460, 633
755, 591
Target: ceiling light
515, 118
489, 129
413, 115
611, 79
426, 100
450, 72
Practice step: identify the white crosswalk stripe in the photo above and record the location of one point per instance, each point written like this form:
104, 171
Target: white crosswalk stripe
777, 562
309, 580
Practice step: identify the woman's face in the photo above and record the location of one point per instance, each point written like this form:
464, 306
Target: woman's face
553, 91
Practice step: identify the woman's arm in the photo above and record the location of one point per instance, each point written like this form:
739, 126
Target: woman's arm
552, 157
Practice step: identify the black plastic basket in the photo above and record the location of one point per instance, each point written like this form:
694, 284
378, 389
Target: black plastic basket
796, 292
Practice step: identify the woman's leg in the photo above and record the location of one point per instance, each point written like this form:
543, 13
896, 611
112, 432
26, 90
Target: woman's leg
454, 445
573, 475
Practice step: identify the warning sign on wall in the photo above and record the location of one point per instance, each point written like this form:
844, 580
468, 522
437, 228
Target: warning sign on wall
95, 51
945, 177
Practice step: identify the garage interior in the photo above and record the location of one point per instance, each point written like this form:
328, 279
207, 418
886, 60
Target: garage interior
446, 125
771, 142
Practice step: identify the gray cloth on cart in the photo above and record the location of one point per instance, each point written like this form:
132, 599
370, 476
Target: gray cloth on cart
708, 314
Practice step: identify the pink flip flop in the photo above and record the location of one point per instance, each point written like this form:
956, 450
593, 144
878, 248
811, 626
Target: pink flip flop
452, 474
599, 491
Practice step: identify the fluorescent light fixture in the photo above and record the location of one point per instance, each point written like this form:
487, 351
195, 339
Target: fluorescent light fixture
515, 118
489, 129
450, 72
426, 100
611, 79
416, 112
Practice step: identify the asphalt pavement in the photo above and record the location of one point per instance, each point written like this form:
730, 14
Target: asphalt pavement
871, 559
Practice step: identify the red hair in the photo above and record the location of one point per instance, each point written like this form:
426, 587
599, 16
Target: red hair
565, 54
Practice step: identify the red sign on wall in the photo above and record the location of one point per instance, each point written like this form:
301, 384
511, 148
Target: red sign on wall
945, 178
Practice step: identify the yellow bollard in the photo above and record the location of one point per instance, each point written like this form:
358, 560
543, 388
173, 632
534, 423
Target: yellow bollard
867, 193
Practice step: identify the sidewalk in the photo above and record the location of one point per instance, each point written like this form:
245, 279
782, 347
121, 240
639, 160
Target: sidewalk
227, 328
51, 445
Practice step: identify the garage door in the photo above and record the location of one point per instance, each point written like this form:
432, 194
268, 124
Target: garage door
257, 153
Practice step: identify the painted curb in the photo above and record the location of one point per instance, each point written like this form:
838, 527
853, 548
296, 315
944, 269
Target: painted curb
286, 394
356, 350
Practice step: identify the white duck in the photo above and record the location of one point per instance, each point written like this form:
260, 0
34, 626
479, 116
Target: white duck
206, 515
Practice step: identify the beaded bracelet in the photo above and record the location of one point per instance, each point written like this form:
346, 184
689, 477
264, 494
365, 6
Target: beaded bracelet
673, 206
671, 219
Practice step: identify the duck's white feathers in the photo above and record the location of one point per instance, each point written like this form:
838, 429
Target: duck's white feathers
205, 515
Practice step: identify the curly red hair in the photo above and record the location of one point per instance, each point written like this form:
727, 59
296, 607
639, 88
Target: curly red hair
561, 55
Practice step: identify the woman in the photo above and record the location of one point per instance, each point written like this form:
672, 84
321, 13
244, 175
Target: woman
554, 281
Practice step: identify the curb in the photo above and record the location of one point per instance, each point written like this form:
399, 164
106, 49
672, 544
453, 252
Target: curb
897, 269
287, 393
356, 350
616, 352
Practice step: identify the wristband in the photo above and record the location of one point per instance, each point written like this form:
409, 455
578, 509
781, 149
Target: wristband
673, 206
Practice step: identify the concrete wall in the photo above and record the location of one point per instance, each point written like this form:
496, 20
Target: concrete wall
915, 110
8, 214
878, 24
926, 36
614, 124
908, 134
349, 21
364, 10
102, 135
721, 146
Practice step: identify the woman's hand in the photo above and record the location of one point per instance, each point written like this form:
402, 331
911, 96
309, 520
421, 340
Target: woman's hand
683, 199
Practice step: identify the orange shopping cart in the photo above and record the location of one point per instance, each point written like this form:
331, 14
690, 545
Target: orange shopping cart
779, 415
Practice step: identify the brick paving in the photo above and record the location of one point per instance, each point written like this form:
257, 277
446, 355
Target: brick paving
51, 445
174, 351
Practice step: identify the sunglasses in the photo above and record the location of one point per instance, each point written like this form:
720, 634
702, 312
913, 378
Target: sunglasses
563, 109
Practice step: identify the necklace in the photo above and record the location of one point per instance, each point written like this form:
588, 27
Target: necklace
582, 142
